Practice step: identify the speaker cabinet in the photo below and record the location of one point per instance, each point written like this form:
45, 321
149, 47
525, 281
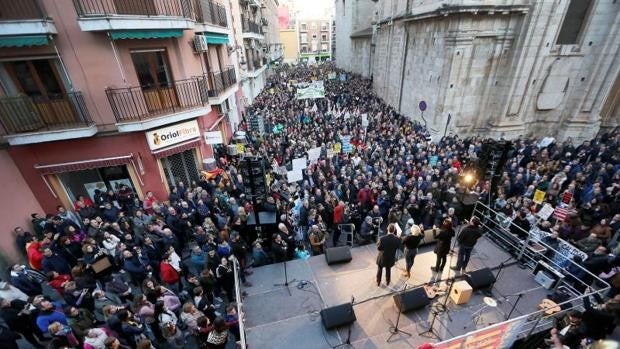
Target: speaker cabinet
336, 255
338, 316
412, 299
481, 279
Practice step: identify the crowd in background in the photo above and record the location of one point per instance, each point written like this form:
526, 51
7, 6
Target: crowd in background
168, 279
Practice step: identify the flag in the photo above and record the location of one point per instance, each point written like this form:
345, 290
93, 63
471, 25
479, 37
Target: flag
561, 213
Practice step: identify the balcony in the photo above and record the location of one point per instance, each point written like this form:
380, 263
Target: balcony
104, 15
27, 120
211, 17
255, 67
220, 84
251, 30
142, 107
24, 17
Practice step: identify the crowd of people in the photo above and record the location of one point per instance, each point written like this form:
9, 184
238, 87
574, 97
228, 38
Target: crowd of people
117, 271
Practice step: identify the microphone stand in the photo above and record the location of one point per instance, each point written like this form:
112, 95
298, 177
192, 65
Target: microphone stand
286, 283
443, 307
499, 271
519, 295
394, 330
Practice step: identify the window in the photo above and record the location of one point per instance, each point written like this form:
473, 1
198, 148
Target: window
324, 27
304, 49
573, 22
323, 37
324, 48
314, 36
36, 78
303, 27
152, 68
304, 38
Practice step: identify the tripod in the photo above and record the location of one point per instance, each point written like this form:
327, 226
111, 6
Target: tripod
430, 333
394, 330
286, 282
519, 295
443, 307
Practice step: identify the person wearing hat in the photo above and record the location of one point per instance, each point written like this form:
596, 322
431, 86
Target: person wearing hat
411, 242
467, 240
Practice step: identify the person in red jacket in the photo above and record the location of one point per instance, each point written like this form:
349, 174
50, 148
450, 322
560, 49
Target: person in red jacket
338, 219
35, 255
57, 281
169, 275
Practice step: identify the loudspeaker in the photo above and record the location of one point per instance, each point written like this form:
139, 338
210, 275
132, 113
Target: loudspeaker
340, 254
338, 316
411, 299
481, 278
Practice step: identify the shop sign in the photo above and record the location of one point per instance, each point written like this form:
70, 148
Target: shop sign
167, 136
214, 137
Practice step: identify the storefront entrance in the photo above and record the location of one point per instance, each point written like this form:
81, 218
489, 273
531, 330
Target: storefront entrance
180, 167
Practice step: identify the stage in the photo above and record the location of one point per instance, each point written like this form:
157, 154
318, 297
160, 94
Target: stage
275, 319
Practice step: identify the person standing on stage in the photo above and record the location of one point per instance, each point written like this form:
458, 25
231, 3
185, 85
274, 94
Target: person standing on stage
467, 240
442, 248
411, 242
387, 246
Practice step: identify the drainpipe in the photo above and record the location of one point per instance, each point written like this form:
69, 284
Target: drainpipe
402, 72
118, 62
62, 63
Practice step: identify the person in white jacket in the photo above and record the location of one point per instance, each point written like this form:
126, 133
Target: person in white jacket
110, 241
95, 339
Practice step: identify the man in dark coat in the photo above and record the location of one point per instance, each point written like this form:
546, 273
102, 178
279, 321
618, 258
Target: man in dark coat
467, 240
386, 258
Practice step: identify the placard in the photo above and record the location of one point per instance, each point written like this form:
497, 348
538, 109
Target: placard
299, 164
314, 154
545, 212
539, 196
364, 120
294, 176
337, 148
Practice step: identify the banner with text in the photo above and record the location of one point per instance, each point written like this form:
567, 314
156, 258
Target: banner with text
497, 336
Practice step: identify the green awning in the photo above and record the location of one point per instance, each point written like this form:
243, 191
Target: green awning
146, 34
216, 38
23, 41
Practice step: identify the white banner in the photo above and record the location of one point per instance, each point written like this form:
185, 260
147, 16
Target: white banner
315, 89
170, 135
294, 176
314, 154
299, 164
214, 137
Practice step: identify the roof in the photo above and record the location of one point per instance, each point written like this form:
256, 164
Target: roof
364, 33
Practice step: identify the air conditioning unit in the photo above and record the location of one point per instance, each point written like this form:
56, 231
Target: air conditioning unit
200, 43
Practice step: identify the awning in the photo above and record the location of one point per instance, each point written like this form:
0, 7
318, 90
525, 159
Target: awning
23, 41
177, 148
216, 38
83, 164
146, 34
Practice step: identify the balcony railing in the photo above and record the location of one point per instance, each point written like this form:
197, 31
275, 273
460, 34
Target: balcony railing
146, 102
38, 114
256, 64
209, 11
20, 9
169, 8
251, 27
220, 81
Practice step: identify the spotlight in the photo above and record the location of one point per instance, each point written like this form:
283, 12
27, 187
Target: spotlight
468, 178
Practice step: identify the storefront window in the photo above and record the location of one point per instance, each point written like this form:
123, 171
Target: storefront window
87, 181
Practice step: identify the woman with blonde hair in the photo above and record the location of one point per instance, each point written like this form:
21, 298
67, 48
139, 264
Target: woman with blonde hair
411, 243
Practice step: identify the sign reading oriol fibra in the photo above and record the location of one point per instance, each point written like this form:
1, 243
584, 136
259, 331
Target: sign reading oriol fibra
167, 136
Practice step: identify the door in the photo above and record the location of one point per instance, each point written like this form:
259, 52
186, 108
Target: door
135, 7
47, 102
155, 80
180, 167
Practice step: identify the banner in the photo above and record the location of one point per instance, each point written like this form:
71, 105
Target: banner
331, 76
314, 154
539, 196
316, 89
497, 336
294, 176
299, 164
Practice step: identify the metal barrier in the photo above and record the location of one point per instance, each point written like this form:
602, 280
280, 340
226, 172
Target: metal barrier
169, 8
220, 81
576, 280
209, 11
240, 314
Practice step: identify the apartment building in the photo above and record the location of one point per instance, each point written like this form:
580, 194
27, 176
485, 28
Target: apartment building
315, 39
99, 93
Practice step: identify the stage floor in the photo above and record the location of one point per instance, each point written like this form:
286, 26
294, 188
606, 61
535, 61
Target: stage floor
275, 319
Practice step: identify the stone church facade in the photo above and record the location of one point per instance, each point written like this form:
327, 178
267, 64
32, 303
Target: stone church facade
502, 68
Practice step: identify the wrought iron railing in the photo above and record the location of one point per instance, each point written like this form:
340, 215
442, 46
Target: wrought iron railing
238, 296
209, 11
20, 9
220, 81
23, 114
145, 102
170, 8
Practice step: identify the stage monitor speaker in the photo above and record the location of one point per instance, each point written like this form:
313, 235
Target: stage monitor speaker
412, 299
336, 255
481, 279
338, 316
